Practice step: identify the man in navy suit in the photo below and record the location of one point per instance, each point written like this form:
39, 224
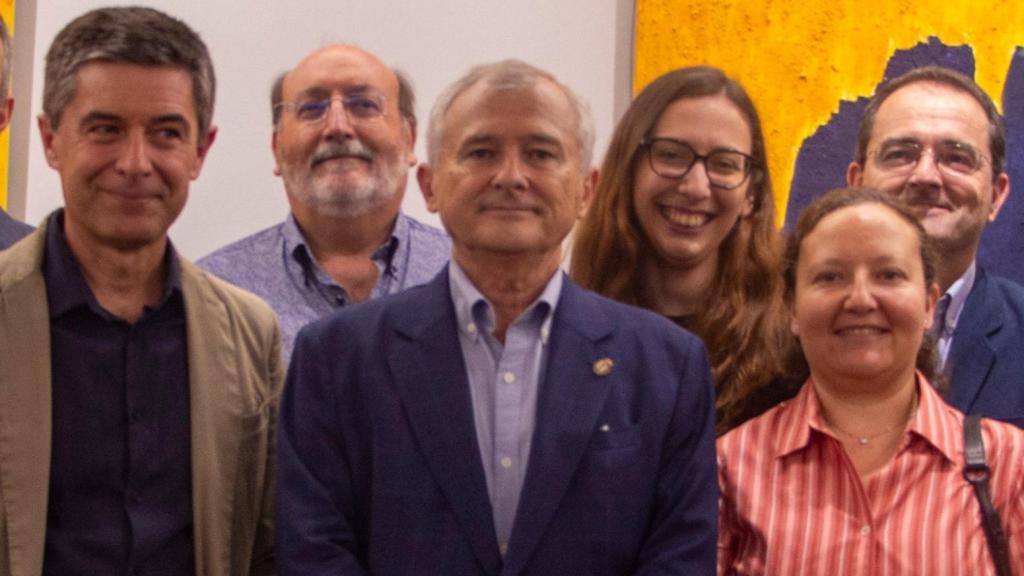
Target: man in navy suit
933, 137
11, 230
499, 420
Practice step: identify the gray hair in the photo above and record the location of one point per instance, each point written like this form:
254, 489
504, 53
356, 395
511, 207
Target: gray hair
5, 71
130, 35
509, 75
406, 98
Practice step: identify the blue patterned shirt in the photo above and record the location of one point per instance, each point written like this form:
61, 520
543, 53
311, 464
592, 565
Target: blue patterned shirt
278, 266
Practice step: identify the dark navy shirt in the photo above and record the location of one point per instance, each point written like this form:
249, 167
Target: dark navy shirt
120, 496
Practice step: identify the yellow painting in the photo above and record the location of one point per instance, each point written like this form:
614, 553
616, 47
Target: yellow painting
799, 60
7, 11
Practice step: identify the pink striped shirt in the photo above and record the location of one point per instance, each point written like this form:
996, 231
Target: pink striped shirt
792, 503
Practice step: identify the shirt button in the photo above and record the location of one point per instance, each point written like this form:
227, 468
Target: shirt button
504, 548
471, 328
506, 462
865, 530
509, 377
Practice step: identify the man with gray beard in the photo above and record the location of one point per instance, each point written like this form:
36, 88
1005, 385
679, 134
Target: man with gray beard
344, 131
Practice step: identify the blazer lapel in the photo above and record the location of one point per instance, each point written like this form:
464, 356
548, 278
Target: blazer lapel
571, 398
971, 356
215, 411
25, 405
430, 376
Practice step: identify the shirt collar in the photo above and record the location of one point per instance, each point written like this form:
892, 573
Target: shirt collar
474, 313
799, 417
295, 244
66, 287
958, 293
932, 421
935, 421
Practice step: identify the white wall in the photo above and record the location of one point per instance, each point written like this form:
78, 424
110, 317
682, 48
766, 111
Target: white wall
584, 42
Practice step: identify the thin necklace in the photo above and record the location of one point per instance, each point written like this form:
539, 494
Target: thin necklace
865, 440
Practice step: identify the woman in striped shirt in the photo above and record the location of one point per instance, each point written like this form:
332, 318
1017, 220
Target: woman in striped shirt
862, 472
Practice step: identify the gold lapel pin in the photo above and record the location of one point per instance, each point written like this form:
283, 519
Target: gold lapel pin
603, 367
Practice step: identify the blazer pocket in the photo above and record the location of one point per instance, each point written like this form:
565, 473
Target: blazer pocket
612, 439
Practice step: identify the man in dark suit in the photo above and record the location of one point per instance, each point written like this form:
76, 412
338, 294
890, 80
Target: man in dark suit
11, 230
933, 137
499, 420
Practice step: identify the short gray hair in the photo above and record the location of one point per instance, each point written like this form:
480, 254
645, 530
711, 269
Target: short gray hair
509, 75
406, 98
5, 71
129, 35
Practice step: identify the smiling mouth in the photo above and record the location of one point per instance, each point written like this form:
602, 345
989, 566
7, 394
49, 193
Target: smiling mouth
925, 205
685, 218
861, 331
505, 209
133, 195
341, 157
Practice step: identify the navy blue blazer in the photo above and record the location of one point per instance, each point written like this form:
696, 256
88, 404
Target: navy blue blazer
380, 471
986, 359
11, 230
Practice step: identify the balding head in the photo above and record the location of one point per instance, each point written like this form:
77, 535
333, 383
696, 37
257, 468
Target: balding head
344, 131
406, 96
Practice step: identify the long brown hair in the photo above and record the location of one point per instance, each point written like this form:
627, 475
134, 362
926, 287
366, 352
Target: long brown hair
743, 325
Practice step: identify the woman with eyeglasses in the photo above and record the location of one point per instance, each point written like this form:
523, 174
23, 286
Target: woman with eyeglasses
865, 470
684, 223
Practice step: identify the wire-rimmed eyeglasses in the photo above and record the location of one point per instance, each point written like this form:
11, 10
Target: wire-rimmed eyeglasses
950, 156
671, 158
360, 106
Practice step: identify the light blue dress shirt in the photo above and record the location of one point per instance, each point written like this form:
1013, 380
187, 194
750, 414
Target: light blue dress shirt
277, 265
946, 326
503, 381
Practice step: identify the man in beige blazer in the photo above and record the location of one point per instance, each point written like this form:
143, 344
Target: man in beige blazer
138, 394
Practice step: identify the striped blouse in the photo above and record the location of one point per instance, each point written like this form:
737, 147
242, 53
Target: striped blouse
793, 504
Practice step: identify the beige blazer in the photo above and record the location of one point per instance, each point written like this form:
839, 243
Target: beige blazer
235, 378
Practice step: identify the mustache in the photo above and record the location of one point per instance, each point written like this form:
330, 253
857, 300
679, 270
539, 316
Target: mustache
329, 150
916, 197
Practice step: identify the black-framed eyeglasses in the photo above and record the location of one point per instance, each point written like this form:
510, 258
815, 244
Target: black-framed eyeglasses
951, 156
359, 106
671, 158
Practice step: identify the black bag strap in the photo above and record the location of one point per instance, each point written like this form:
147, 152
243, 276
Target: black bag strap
976, 472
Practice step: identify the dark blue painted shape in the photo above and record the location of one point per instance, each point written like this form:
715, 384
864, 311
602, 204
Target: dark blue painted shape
824, 156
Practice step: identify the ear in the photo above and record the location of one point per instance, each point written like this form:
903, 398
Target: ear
748, 204
48, 135
1000, 192
930, 301
854, 174
274, 150
5, 112
425, 178
409, 129
202, 149
590, 180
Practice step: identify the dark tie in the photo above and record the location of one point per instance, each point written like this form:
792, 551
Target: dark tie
939, 325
